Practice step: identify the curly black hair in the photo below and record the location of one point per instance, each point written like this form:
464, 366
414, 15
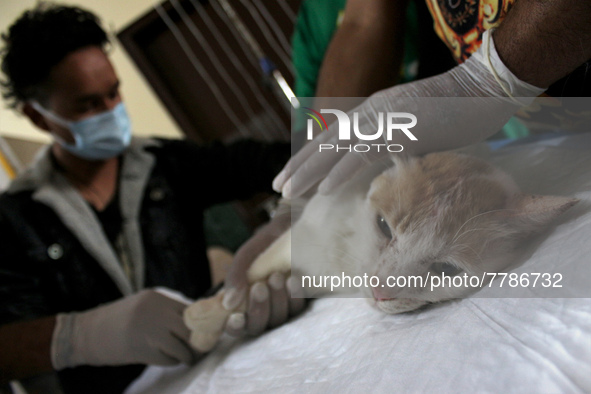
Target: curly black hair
38, 40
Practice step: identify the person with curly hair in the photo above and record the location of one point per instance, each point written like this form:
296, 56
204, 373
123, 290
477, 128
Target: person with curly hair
102, 218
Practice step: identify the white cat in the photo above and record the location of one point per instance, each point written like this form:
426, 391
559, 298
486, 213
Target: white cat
444, 214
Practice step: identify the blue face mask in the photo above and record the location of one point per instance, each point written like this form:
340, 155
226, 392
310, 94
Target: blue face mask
98, 137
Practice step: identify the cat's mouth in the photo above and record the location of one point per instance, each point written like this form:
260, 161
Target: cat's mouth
382, 294
390, 301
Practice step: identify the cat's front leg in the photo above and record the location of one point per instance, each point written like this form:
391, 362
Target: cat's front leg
206, 318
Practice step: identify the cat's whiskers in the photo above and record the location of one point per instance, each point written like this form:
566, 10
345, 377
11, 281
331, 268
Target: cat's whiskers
352, 258
472, 249
475, 216
466, 232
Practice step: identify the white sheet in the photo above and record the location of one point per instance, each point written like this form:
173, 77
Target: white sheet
533, 345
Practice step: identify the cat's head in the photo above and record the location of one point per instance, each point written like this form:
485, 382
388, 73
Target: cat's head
445, 214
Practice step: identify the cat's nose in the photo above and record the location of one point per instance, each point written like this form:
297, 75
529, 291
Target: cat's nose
383, 293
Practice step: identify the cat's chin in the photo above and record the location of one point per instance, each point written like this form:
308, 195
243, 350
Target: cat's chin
398, 305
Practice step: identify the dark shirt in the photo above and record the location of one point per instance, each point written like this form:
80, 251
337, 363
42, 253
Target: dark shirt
35, 281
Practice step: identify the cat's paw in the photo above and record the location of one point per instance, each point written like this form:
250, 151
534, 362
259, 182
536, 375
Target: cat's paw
206, 319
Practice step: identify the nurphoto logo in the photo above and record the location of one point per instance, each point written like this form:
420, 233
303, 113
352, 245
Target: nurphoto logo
387, 124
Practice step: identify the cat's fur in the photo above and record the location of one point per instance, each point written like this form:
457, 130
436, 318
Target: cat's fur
443, 212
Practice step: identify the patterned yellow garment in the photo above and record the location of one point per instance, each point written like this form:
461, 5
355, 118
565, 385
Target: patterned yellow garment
460, 23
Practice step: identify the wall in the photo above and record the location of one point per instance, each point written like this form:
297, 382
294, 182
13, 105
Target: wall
148, 115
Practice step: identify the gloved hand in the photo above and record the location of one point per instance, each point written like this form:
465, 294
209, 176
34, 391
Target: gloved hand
484, 95
144, 328
270, 302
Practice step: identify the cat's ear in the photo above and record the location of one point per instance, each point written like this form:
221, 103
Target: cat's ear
532, 213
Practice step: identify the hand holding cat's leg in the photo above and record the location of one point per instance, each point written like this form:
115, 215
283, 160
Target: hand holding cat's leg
256, 317
270, 304
143, 328
208, 319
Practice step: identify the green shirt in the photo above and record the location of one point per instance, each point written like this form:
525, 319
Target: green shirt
317, 21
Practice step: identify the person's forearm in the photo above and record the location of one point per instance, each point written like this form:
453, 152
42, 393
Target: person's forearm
541, 41
25, 348
366, 51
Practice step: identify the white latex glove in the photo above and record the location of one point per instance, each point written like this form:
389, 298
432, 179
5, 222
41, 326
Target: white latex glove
485, 95
270, 303
144, 328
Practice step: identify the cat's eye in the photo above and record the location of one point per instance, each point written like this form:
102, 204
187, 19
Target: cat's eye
384, 228
445, 268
